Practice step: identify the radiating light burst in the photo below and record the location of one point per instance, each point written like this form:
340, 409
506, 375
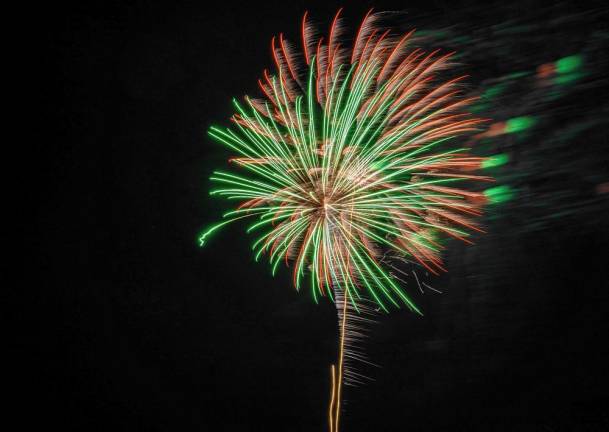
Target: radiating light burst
353, 150
352, 161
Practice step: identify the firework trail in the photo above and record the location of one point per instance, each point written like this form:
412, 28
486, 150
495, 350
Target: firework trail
353, 151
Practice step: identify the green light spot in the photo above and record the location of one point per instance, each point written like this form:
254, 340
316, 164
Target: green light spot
569, 64
518, 124
496, 160
568, 78
499, 194
494, 91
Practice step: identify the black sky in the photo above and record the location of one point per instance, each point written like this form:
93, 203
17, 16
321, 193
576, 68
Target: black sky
138, 328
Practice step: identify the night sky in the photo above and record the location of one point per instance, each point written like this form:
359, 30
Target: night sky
139, 329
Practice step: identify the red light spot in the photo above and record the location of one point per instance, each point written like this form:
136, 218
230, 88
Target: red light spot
545, 70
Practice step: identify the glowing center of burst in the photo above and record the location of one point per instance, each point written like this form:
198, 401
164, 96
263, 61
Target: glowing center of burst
327, 209
323, 205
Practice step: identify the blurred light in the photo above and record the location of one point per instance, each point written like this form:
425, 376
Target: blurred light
499, 194
569, 64
496, 160
518, 124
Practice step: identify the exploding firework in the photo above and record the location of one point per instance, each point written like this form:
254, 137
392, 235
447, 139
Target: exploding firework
352, 153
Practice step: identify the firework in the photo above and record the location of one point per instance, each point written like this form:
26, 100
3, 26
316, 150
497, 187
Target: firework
351, 153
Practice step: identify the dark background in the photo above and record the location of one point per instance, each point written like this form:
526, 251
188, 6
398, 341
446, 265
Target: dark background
137, 328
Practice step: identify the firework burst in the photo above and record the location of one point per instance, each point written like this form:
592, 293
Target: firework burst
352, 152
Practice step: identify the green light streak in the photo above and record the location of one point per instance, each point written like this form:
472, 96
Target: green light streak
496, 161
499, 194
519, 124
569, 64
